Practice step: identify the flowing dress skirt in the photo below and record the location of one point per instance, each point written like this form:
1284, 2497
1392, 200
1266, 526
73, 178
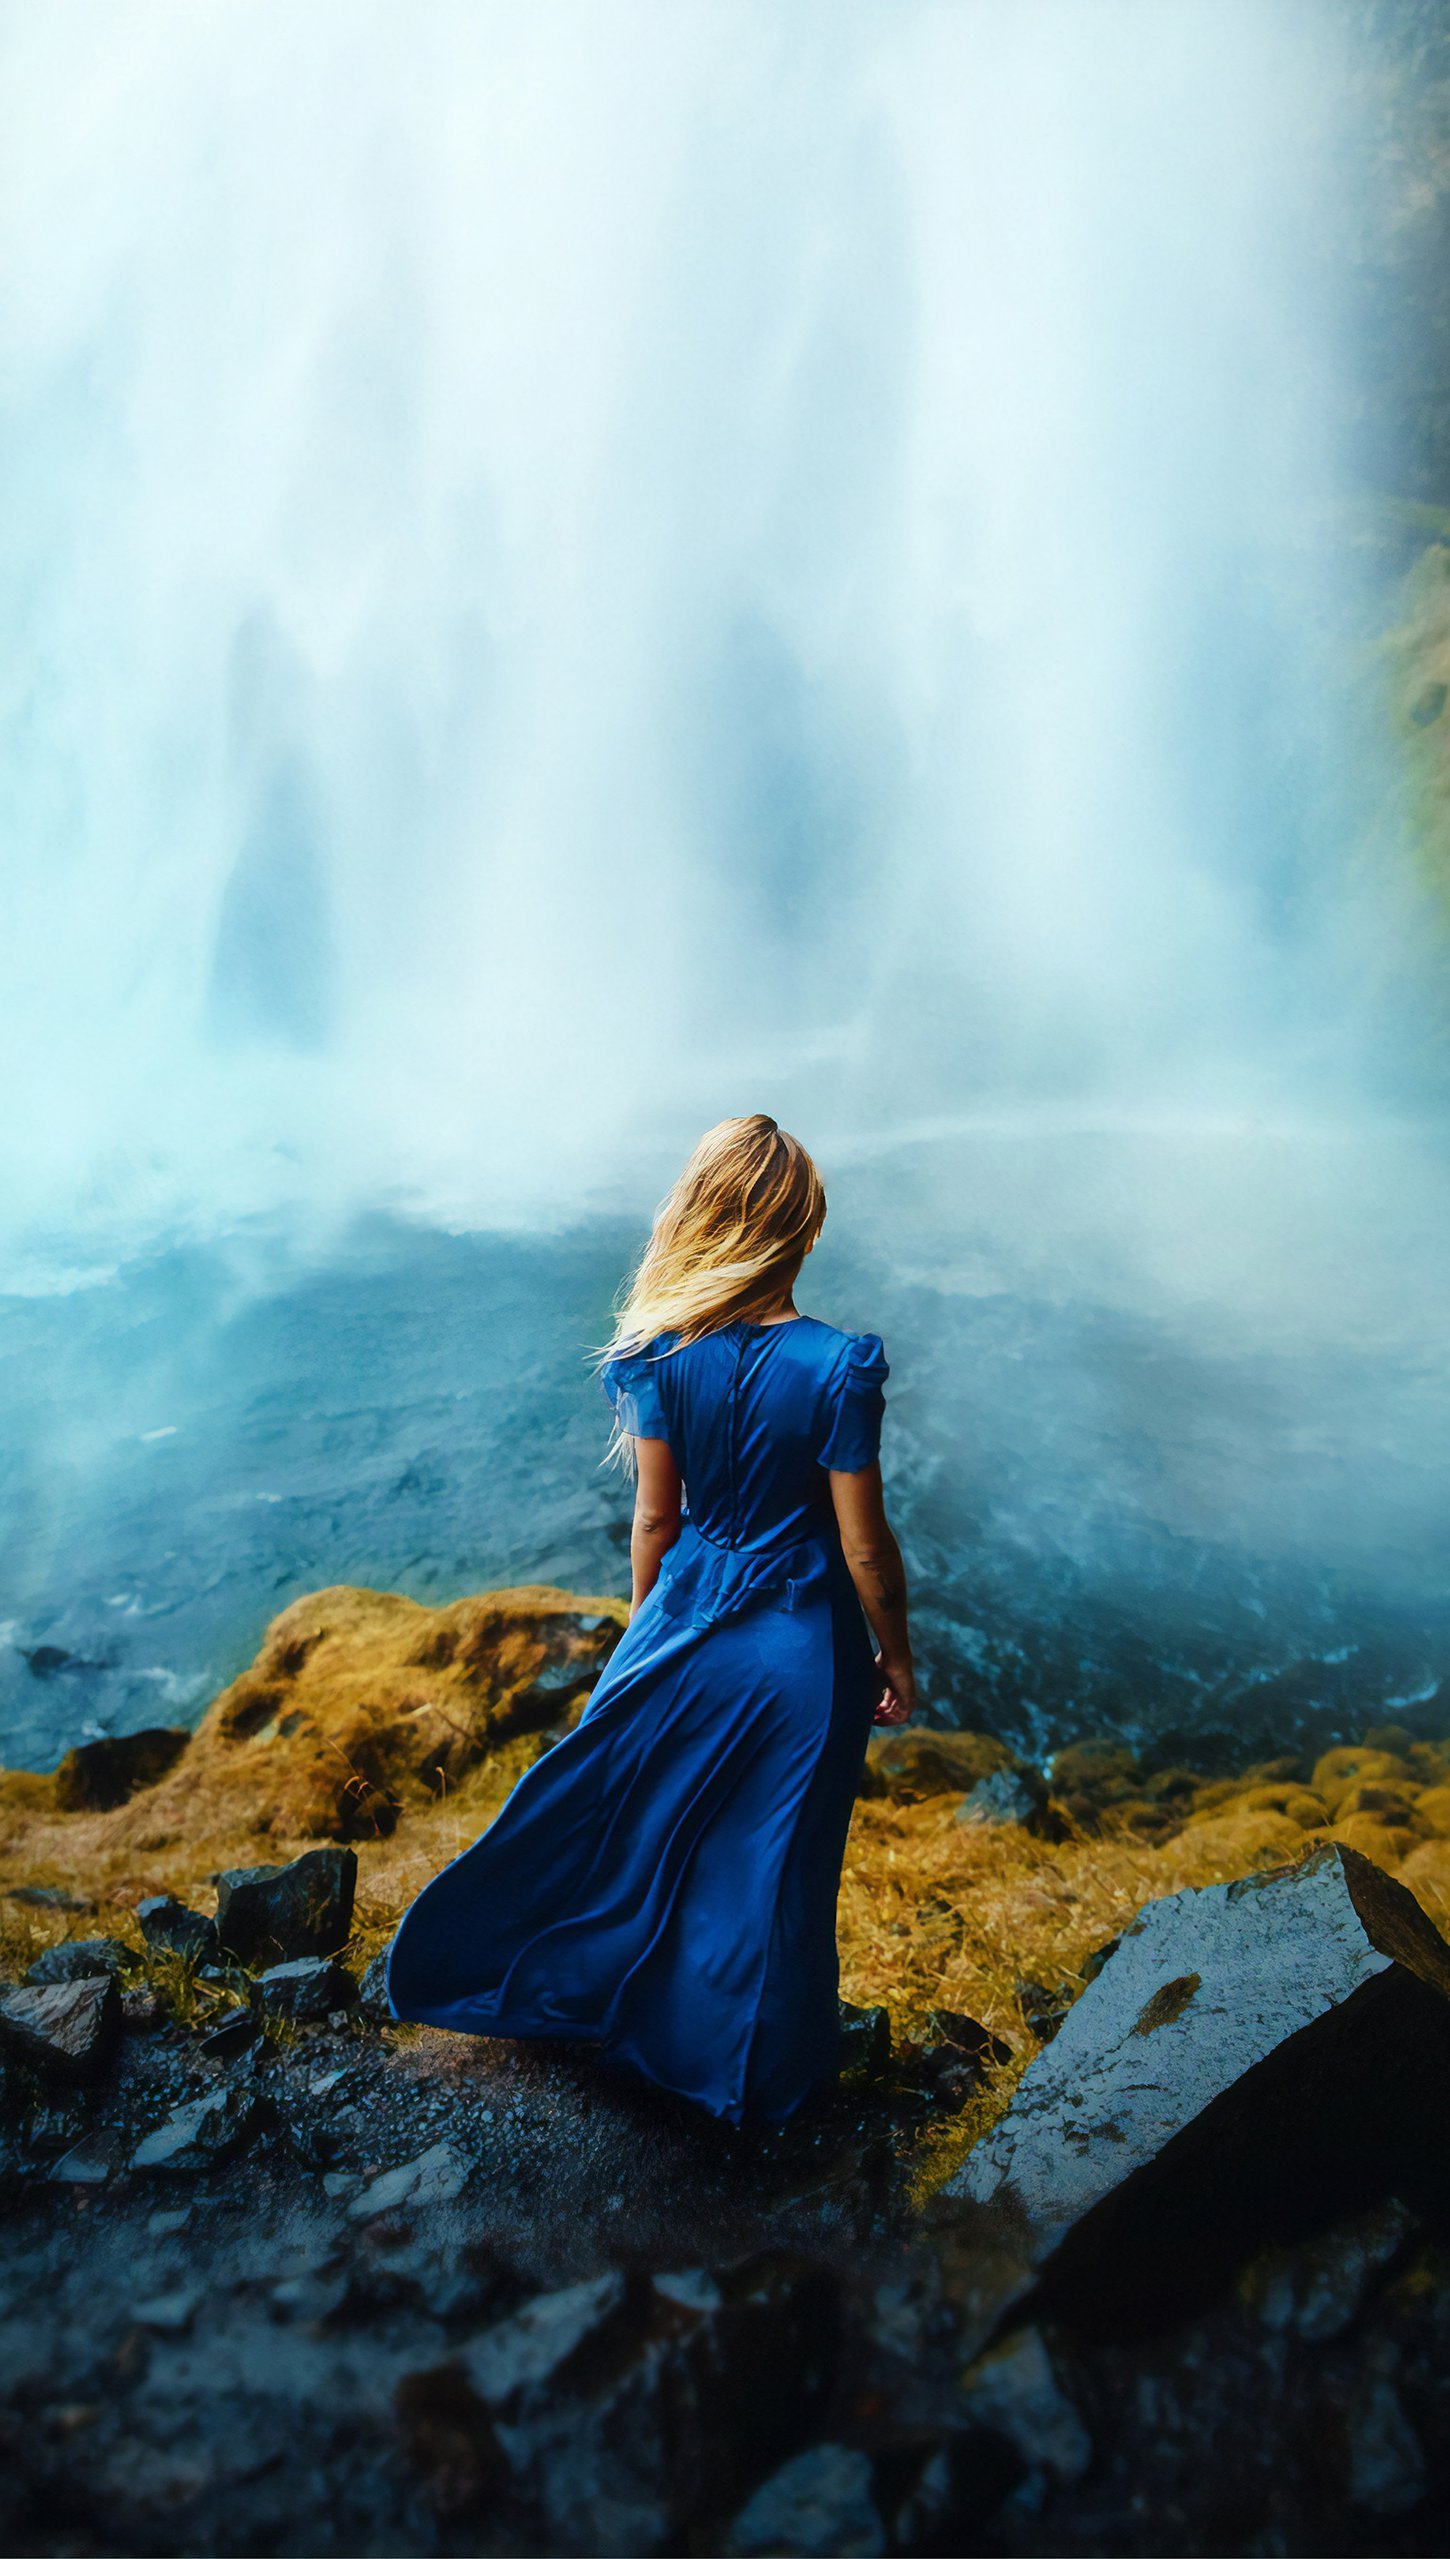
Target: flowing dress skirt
663, 1881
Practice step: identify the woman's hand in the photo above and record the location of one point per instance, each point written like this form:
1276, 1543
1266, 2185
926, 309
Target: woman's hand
898, 1698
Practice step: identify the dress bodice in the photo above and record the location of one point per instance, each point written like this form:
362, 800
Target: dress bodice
756, 1416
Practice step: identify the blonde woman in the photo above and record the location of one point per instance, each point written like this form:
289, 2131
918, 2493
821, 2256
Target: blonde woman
663, 1881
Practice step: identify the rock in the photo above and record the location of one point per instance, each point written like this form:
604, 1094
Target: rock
1091, 1965
1044, 2006
55, 2124
955, 2484
533, 2351
1387, 2474
1249, 2047
199, 2136
170, 1928
68, 2029
629, 2414
915, 1762
967, 2035
236, 2035
313, 1987
169, 2314
80, 1959
88, 2162
96, 1776
865, 2037
372, 1997
275, 1914
140, 2010
818, 2504
1010, 1795
1318, 2290
436, 2176
1014, 2392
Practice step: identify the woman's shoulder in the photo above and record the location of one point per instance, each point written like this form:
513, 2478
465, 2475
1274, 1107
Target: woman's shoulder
861, 1354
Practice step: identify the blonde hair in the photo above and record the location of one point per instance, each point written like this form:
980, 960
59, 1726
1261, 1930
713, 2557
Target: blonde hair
728, 1239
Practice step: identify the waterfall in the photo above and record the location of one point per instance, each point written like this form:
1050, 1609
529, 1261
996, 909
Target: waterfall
571, 569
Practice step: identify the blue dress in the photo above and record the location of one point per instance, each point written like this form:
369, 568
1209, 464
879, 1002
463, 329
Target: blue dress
663, 1881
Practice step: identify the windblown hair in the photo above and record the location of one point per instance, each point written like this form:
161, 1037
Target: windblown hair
728, 1239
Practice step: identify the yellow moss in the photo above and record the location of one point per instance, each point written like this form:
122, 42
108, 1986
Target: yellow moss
1426, 1871
1432, 1811
1386, 1842
1297, 1803
1345, 1767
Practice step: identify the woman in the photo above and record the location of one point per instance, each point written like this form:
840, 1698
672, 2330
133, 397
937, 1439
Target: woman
663, 1881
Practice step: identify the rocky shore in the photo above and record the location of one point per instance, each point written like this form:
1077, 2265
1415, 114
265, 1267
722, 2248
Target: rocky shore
1125, 2229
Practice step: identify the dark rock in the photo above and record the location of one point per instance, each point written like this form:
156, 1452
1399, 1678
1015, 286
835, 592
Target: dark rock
66, 2029
169, 1927
865, 2037
1091, 1965
1015, 2393
44, 1897
967, 2035
937, 2498
275, 1914
80, 1959
169, 2314
88, 2162
1044, 2006
313, 1987
199, 2136
372, 1997
53, 2122
1254, 2052
624, 2411
96, 1776
820, 2503
1387, 2469
533, 2353
140, 2010
1319, 2289
236, 2035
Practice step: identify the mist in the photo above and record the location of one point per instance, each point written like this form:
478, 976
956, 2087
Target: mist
569, 569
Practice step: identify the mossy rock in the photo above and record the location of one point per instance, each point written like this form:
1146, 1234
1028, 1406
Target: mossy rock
909, 1765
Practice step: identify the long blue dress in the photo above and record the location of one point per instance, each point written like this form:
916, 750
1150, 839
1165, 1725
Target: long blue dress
663, 1881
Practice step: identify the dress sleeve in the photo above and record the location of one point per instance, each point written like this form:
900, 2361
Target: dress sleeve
853, 1431
632, 1385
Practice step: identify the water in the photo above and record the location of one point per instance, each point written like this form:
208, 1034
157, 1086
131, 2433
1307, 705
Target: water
570, 571
1123, 1510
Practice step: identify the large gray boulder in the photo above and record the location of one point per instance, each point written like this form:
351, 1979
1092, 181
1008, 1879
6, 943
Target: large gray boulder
1249, 2050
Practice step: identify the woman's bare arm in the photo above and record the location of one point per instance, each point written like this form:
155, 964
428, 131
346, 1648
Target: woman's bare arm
874, 1559
658, 1485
